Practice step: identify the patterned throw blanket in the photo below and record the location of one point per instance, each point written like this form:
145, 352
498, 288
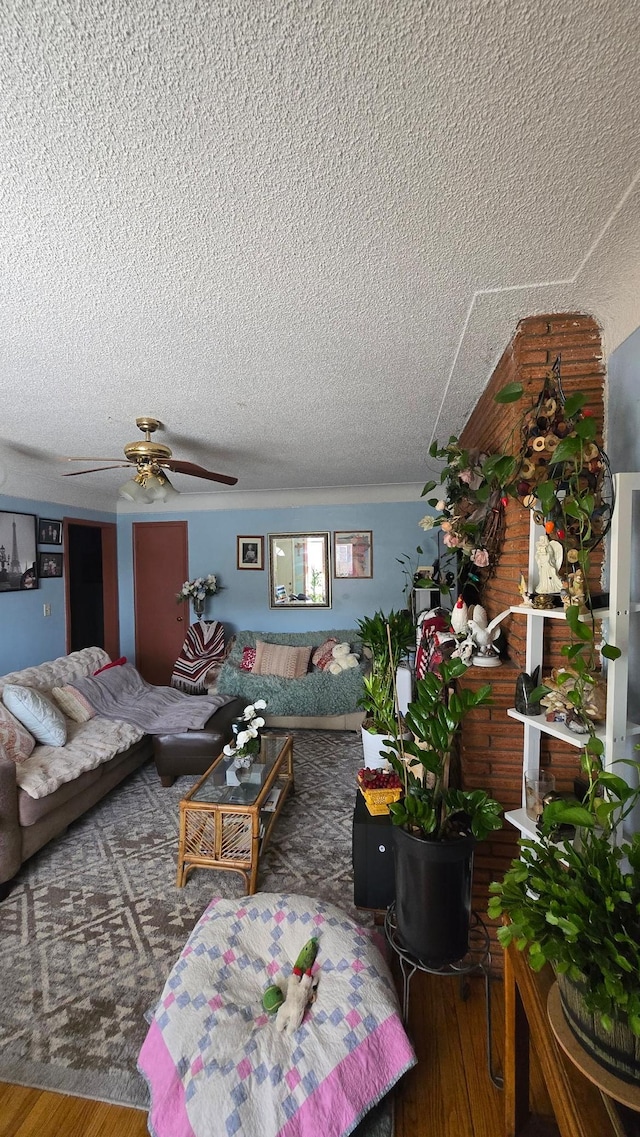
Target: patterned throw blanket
121, 693
202, 649
214, 1061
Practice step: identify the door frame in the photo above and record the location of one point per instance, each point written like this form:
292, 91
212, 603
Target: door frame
109, 582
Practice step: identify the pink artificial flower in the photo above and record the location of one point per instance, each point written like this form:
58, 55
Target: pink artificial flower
451, 540
480, 557
473, 481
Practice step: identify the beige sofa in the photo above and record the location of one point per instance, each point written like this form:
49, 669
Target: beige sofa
41, 796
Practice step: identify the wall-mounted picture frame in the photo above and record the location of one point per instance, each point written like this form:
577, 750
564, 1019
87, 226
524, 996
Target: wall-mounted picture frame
250, 553
49, 565
18, 568
353, 554
49, 531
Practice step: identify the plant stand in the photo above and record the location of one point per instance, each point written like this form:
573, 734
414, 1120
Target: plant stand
477, 960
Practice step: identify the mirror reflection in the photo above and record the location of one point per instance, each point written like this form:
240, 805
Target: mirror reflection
299, 570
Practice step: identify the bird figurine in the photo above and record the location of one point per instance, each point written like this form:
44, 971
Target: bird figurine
459, 617
484, 635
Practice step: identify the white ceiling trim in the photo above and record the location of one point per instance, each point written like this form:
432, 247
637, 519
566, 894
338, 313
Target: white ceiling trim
280, 499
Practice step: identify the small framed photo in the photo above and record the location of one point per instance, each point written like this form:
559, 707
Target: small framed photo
250, 552
49, 532
353, 554
49, 565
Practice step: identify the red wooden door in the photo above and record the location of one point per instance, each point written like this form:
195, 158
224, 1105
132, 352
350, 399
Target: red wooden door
160, 567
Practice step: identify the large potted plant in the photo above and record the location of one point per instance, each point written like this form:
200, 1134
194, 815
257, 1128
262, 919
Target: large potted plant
572, 900
436, 825
386, 639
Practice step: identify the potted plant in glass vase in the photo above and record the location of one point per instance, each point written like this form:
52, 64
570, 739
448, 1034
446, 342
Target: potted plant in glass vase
245, 749
436, 825
386, 639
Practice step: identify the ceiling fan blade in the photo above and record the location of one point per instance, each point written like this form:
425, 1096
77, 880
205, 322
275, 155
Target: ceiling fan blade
196, 471
87, 458
97, 470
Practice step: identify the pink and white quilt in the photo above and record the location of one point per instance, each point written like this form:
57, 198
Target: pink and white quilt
216, 1065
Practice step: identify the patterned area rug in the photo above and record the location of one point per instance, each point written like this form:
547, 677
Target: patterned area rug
95, 921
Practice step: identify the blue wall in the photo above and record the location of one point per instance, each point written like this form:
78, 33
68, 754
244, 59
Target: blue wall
243, 602
27, 636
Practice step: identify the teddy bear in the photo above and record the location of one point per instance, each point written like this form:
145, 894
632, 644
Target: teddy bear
342, 659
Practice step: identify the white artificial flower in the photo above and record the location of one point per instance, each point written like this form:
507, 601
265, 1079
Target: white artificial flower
248, 712
440, 505
243, 738
229, 750
251, 731
427, 522
259, 704
258, 722
201, 594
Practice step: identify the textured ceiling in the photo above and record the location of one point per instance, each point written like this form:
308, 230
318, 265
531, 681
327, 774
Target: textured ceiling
299, 232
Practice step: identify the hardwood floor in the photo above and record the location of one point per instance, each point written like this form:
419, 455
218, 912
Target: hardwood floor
448, 1094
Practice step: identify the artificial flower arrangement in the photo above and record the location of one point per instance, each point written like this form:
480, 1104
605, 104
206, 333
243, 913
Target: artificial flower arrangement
198, 589
471, 515
247, 731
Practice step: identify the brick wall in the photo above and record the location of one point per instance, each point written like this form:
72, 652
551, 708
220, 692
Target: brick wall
491, 743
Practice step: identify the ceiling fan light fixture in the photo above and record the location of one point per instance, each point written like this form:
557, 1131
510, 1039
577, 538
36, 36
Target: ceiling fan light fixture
159, 488
147, 486
134, 491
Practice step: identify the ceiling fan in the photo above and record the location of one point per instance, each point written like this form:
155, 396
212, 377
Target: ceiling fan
151, 459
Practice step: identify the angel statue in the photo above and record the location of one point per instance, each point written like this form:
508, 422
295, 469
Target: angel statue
549, 556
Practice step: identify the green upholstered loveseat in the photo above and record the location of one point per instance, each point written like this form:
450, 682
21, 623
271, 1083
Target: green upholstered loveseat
318, 700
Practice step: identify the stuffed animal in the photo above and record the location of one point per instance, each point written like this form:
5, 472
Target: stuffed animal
301, 987
342, 659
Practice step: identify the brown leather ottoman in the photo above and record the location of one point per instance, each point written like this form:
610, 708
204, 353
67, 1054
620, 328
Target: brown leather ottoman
193, 751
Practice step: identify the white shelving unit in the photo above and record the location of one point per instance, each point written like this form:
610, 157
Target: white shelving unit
618, 627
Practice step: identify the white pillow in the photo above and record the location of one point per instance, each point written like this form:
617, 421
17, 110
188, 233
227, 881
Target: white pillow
37, 713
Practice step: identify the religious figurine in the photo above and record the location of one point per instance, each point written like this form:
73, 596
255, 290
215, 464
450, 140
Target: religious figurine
524, 591
548, 559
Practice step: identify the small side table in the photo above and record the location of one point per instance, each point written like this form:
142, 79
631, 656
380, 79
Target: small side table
477, 960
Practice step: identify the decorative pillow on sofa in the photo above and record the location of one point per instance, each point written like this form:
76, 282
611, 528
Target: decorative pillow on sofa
322, 655
35, 711
248, 658
16, 742
72, 703
279, 659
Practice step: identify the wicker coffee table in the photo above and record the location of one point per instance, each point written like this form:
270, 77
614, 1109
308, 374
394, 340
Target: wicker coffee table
227, 826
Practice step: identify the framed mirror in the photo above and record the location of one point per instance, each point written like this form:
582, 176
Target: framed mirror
299, 570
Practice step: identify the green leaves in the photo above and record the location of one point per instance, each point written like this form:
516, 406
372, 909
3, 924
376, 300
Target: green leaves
510, 393
571, 902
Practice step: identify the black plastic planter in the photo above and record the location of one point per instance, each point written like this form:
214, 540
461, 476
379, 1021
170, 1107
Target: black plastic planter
433, 896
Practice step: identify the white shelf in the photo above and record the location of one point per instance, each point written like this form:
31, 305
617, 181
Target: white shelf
522, 821
556, 729
616, 730
560, 614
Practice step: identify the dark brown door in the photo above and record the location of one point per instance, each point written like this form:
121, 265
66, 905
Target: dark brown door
160, 567
91, 585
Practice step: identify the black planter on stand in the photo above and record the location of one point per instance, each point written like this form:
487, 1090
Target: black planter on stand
433, 896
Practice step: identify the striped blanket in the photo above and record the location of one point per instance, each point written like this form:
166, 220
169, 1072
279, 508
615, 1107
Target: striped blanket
202, 649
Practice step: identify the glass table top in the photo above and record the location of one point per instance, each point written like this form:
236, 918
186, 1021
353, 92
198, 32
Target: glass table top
216, 788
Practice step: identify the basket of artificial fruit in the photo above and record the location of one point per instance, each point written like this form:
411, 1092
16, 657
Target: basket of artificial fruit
379, 787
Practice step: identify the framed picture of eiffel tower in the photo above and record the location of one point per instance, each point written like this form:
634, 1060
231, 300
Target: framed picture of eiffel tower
18, 567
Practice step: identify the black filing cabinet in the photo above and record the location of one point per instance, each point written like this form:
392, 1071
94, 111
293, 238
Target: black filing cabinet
373, 871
